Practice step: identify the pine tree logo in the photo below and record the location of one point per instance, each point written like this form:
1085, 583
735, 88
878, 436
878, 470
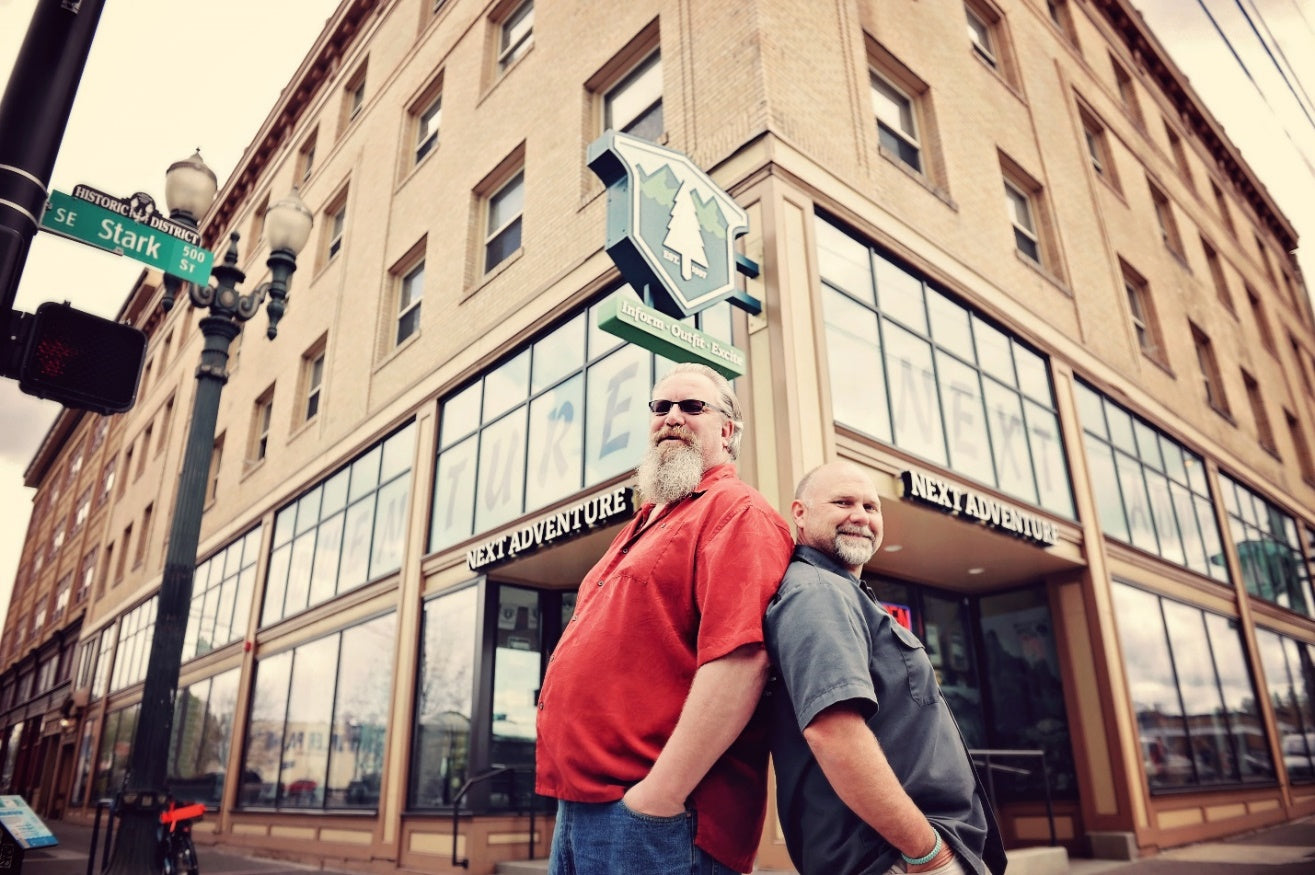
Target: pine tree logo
685, 236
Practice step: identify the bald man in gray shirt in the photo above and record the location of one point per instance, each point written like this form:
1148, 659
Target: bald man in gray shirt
872, 774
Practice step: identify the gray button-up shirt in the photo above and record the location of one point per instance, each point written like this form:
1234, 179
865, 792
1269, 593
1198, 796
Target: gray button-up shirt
831, 642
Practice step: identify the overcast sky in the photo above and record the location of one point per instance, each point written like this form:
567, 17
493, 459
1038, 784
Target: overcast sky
167, 76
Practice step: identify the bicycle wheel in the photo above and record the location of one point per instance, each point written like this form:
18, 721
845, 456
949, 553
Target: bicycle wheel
187, 864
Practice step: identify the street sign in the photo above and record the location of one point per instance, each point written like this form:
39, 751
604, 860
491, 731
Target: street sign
105, 227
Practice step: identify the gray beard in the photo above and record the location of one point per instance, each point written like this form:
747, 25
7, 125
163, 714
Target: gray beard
852, 552
669, 472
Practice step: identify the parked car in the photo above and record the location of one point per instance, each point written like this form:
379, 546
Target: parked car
1298, 754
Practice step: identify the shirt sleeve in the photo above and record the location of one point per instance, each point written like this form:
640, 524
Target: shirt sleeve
737, 572
820, 645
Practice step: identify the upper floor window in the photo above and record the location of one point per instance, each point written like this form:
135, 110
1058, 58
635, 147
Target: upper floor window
1142, 311
335, 225
1098, 146
1262, 323
897, 121
262, 415
353, 95
1166, 222
1127, 92
1179, 154
1217, 275
306, 158
634, 104
980, 27
504, 207
427, 122
1018, 203
1210, 375
410, 295
221, 596
312, 380
1264, 434
1300, 447
516, 35
1268, 549
1221, 204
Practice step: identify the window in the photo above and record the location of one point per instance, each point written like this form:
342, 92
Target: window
897, 124
634, 105
353, 96
1210, 376
440, 757
312, 380
1098, 147
1268, 549
336, 688
127, 469
336, 215
1127, 92
955, 389
257, 225
261, 416
166, 419
106, 483
1019, 206
1217, 275
1262, 323
1221, 204
124, 543
515, 35
1299, 361
1062, 17
410, 295
212, 481
82, 510
1179, 154
502, 236
428, 118
144, 538
198, 749
63, 592
343, 532
147, 434
85, 576
146, 377
1264, 434
980, 26
221, 596
306, 158
109, 564
1300, 447
1197, 717
1264, 260
1165, 220
1291, 686
1143, 315
136, 630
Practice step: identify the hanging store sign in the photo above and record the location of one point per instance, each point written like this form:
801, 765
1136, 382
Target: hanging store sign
656, 332
990, 512
595, 511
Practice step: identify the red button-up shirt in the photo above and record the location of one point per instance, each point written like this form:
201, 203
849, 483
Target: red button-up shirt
691, 587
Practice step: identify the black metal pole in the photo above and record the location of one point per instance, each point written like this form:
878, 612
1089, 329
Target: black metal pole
33, 115
136, 850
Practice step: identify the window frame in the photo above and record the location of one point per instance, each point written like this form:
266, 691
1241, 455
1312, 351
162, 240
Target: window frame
878, 82
262, 420
1165, 219
409, 306
514, 179
631, 83
311, 392
1015, 198
1211, 376
1141, 311
510, 46
1259, 416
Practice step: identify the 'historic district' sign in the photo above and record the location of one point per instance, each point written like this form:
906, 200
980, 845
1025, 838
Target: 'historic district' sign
957, 501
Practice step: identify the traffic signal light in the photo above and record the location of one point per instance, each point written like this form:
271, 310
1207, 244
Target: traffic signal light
81, 360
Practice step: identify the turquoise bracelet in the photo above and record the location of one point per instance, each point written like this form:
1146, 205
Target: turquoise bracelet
936, 849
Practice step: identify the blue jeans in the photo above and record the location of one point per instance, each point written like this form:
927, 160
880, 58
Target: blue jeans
607, 838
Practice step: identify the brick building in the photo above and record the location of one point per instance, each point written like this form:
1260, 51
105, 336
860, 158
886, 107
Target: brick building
1010, 264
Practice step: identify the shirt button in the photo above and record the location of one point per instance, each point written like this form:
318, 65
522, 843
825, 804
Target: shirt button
625, 549
541, 705
600, 583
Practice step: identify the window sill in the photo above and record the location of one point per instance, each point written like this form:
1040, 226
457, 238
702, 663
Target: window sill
251, 466
498, 75
303, 427
1046, 274
1224, 413
492, 275
415, 166
392, 353
919, 177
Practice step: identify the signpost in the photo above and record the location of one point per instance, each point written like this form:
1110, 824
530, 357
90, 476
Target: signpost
129, 227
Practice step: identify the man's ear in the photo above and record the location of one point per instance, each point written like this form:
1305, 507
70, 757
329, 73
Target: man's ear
797, 509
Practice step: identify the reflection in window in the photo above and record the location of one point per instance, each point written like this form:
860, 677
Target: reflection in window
346, 531
1265, 538
115, 746
82, 772
1197, 717
1150, 490
1290, 678
136, 629
202, 735
221, 596
565, 414
912, 367
318, 720
440, 757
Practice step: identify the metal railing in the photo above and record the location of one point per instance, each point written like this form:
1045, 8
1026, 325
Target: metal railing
985, 759
494, 772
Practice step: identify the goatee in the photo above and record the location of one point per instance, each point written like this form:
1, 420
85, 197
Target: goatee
671, 469
851, 550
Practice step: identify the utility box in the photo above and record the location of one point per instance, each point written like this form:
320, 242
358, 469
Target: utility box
20, 829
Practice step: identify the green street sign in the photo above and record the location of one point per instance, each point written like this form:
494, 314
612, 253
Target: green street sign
106, 225
668, 337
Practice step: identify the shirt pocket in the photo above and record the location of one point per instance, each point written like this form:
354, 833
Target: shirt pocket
922, 677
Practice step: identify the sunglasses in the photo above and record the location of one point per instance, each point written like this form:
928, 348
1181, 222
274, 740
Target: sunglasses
689, 407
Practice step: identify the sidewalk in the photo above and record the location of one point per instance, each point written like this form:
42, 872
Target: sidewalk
1287, 849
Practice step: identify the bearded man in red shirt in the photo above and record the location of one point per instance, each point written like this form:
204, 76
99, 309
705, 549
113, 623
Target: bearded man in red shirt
647, 733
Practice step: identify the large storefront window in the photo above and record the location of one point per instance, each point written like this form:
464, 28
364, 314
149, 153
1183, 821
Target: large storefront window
319, 716
344, 532
565, 413
1196, 709
1150, 490
1290, 677
1265, 538
136, 630
202, 736
913, 368
221, 596
440, 755
115, 746
11, 745
82, 774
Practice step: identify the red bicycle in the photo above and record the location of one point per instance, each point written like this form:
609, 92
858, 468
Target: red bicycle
178, 854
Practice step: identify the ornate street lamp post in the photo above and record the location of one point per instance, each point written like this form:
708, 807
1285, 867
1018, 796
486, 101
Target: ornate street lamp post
190, 188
